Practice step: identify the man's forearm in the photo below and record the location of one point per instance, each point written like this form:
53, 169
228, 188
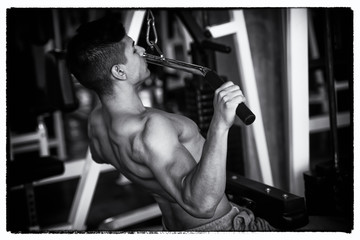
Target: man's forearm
205, 185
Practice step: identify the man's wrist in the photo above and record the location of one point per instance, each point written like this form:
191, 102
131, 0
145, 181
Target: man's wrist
218, 127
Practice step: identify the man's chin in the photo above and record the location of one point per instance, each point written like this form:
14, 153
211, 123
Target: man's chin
148, 74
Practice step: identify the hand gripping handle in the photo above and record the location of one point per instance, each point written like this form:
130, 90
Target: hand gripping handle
242, 111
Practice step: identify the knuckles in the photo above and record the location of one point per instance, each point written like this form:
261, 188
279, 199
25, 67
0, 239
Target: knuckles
222, 94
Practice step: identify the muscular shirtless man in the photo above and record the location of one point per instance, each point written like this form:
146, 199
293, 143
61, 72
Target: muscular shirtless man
160, 151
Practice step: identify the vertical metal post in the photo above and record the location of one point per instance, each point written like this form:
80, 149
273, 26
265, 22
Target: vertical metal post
59, 134
331, 89
57, 116
298, 97
84, 194
133, 24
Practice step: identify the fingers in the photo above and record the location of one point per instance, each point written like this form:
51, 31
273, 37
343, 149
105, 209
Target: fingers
224, 86
229, 93
226, 100
234, 99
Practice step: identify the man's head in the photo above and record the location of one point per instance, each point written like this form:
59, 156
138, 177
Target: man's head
99, 52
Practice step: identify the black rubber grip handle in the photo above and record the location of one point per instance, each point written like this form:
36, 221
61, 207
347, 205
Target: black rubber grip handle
242, 111
245, 114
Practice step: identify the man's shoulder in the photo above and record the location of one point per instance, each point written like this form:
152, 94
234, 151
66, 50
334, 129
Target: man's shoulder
156, 120
156, 141
157, 128
156, 124
151, 136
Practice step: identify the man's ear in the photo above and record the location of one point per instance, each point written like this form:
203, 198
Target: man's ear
118, 72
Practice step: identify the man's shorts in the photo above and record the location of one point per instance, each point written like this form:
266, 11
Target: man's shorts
237, 219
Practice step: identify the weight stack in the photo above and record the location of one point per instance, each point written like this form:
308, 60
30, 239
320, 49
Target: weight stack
199, 103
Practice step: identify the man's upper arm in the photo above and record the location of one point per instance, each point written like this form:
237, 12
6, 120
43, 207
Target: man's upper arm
168, 159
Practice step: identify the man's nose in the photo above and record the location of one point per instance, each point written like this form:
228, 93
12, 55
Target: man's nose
140, 50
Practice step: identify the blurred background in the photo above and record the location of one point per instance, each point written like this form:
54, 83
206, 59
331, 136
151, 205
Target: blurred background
295, 67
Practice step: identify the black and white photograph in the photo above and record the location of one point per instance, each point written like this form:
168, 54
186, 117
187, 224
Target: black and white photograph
179, 120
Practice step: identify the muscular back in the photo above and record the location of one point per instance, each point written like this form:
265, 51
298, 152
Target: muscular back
116, 140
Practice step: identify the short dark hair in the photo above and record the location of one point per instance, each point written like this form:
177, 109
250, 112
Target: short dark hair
94, 49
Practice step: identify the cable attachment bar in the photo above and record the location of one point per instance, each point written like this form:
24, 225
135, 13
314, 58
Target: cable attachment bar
176, 64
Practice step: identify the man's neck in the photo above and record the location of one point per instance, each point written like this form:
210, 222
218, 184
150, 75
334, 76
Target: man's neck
125, 99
